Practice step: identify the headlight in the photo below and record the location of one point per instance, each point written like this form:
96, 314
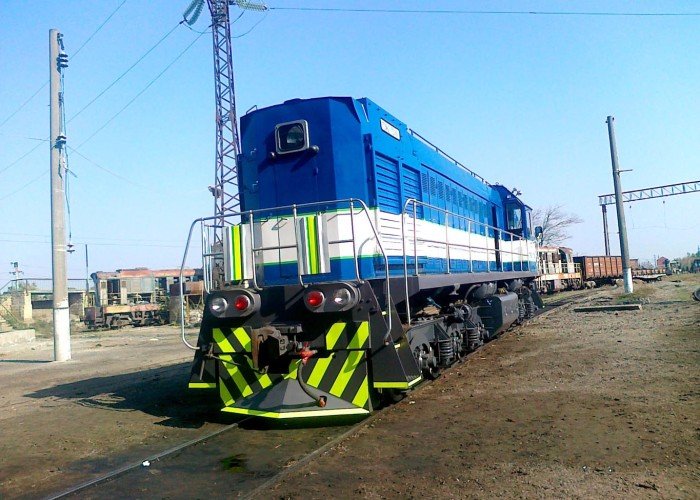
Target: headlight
218, 306
331, 297
342, 297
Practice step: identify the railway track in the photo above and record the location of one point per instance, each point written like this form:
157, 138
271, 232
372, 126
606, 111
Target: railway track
242, 459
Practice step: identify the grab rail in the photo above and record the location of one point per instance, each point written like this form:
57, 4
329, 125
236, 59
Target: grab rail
470, 223
208, 256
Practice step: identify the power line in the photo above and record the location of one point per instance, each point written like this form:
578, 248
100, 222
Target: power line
93, 162
150, 83
98, 28
21, 107
489, 12
109, 239
252, 27
25, 185
7, 167
143, 56
76, 53
145, 243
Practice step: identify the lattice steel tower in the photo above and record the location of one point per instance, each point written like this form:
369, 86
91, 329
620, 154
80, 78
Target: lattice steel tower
225, 189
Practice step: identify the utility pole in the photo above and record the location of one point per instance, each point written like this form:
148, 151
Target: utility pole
606, 235
622, 227
16, 273
58, 61
87, 272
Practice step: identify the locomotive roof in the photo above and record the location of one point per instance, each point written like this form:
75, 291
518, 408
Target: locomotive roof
366, 102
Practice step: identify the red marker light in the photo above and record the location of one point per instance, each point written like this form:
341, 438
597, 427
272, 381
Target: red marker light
314, 298
241, 303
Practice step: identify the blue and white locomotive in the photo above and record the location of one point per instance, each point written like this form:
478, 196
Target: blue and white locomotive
363, 260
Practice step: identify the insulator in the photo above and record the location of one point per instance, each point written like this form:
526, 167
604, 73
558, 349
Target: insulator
62, 61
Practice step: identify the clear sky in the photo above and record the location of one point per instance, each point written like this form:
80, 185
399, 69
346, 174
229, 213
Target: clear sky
521, 99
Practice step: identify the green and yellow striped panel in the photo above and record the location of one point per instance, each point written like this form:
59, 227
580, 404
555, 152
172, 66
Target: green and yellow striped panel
236, 255
342, 374
315, 258
238, 379
353, 335
232, 340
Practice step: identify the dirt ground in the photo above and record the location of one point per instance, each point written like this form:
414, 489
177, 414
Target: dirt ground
574, 405
124, 395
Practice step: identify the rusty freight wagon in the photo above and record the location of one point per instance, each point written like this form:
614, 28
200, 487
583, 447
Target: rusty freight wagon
600, 268
134, 297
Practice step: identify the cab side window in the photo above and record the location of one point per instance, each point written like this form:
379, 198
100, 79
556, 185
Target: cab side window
514, 217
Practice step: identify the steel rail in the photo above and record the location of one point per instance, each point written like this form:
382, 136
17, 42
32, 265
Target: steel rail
151, 458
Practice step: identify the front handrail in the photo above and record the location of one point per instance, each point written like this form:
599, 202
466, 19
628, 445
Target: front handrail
207, 256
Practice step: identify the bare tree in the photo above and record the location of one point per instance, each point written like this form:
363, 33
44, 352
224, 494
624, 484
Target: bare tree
555, 223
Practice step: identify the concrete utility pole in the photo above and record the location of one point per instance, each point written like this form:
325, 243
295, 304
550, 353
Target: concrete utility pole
626, 270
61, 317
606, 236
87, 272
16, 273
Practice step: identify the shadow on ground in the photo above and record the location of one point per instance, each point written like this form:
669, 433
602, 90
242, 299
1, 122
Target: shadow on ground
161, 392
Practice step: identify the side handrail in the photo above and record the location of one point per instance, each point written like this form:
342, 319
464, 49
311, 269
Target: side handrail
497, 232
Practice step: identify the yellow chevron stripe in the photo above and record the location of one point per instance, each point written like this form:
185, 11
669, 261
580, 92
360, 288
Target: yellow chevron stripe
334, 334
362, 395
360, 337
263, 378
321, 412
222, 341
319, 371
202, 385
243, 338
225, 394
397, 385
348, 369
293, 368
237, 376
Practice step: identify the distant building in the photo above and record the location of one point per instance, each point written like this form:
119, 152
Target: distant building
663, 262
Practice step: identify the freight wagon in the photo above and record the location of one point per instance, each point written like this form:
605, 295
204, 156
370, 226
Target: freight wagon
134, 297
605, 268
600, 268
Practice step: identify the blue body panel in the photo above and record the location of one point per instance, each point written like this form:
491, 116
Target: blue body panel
366, 153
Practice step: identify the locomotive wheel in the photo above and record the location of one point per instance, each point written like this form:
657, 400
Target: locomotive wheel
425, 357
